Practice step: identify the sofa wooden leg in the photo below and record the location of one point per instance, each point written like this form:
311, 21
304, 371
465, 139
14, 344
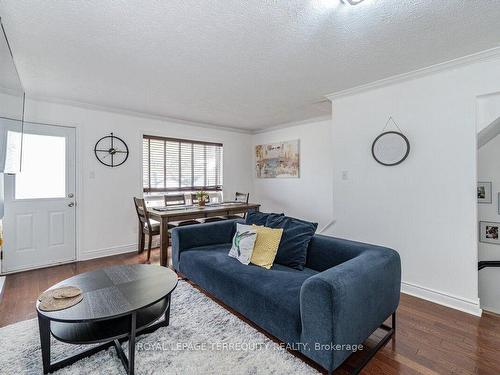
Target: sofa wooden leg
371, 353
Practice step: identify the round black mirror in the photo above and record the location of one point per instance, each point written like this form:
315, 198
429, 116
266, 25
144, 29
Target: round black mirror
390, 148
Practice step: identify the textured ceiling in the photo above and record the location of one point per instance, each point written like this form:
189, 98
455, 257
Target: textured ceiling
246, 64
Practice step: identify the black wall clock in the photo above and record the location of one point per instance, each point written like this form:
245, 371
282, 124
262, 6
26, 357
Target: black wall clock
111, 150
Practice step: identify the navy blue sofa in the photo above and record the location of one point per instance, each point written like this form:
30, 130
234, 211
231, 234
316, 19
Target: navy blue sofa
345, 292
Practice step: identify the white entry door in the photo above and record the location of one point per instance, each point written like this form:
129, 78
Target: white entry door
40, 216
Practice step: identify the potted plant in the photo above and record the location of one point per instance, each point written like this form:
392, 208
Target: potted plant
202, 197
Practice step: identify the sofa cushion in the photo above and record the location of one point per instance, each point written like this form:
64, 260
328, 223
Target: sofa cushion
269, 298
266, 246
297, 233
259, 218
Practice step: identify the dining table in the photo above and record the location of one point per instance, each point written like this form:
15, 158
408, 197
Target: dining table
169, 214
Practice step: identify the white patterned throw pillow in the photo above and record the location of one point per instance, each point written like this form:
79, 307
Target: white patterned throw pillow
243, 242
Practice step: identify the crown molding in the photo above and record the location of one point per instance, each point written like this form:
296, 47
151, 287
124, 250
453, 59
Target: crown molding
494, 93
292, 124
121, 111
485, 55
11, 91
127, 112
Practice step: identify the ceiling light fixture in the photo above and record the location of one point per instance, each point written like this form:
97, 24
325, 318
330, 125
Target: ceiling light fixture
351, 2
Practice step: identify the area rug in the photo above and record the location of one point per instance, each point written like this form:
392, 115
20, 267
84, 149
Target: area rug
203, 338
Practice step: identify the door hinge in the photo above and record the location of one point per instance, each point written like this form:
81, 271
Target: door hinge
1, 254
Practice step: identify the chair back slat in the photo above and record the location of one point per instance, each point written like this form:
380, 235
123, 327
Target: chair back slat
142, 212
242, 197
174, 200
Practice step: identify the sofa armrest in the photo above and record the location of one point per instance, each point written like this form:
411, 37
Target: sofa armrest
344, 304
189, 236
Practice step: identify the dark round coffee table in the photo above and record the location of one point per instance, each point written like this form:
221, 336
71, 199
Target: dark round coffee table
119, 303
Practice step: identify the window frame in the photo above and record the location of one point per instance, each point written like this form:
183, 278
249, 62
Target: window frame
165, 189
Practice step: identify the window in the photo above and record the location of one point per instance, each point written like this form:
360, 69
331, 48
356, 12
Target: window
44, 168
171, 164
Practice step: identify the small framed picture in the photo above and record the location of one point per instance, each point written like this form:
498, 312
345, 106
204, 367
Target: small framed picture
489, 232
484, 192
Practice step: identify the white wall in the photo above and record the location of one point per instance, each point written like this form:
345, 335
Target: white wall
489, 278
310, 196
488, 109
11, 106
108, 221
424, 208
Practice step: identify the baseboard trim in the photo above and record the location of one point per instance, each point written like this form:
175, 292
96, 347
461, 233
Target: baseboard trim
108, 251
38, 267
155, 243
2, 284
445, 299
330, 224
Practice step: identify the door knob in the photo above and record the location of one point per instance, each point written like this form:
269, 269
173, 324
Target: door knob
70, 195
71, 204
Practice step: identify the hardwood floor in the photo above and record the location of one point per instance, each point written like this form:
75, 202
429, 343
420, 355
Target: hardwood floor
430, 339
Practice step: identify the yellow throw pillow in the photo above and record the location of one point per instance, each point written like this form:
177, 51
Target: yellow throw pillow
266, 246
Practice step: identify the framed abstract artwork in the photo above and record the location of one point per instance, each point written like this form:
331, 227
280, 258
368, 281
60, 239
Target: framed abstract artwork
489, 232
277, 160
484, 192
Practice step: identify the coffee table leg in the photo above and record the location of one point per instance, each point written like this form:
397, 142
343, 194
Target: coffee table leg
44, 328
167, 311
131, 345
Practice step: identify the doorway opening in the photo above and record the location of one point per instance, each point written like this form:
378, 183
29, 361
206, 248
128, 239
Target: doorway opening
488, 197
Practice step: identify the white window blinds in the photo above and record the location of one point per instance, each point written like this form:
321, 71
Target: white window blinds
171, 164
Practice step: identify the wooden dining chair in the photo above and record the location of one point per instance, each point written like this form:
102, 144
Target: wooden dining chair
178, 200
243, 198
175, 200
149, 227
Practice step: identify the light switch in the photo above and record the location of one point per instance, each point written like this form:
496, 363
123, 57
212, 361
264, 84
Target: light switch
345, 175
